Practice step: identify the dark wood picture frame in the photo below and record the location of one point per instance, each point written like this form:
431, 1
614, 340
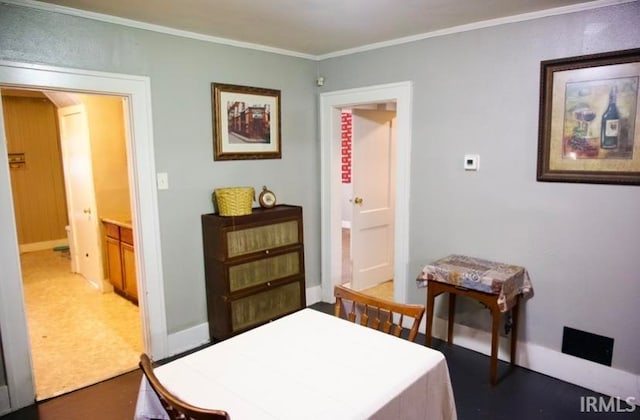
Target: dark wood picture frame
246, 122
589, 128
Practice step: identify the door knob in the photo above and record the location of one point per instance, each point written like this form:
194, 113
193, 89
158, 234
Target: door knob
87, 210
358, 201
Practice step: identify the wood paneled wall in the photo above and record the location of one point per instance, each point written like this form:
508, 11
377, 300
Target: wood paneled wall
31, 125
105, 119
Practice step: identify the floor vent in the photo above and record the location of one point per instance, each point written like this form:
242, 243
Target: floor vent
586, 345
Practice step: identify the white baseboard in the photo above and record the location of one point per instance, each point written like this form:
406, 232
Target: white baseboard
188, 339
5, 407
594, 376
41, 246
314, 294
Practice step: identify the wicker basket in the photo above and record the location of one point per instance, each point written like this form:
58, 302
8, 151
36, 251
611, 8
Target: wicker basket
236, 201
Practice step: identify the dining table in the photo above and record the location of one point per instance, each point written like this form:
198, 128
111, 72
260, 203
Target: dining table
309, 365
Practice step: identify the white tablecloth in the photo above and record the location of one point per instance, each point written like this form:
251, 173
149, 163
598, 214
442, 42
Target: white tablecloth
309, 365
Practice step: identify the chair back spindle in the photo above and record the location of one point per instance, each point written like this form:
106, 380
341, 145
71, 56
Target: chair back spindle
377, 313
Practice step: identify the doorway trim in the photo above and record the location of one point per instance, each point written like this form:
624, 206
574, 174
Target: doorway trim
141, 163
331, 104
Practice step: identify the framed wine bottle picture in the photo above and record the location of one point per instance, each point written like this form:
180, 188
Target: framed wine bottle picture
589, 128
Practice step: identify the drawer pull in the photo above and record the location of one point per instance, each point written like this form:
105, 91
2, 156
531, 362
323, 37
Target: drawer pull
266, 252
269, 284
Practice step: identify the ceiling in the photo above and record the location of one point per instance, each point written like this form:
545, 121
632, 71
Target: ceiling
318, 28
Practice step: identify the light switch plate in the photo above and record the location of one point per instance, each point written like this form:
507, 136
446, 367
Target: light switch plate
471, 162
163, 180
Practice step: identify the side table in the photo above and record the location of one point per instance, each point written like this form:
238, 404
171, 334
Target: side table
496, 285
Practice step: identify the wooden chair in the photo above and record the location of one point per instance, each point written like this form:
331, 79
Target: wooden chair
378, 313
175, 407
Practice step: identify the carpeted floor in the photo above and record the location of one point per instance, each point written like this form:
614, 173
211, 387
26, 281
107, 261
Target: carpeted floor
78, 335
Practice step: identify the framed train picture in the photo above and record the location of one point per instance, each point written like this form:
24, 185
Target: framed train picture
246, 122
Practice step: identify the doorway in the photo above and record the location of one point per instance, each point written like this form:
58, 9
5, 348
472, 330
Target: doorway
80, 331
331, 104
13, 324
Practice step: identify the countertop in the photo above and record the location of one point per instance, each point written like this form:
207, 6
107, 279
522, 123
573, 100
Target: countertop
118, 221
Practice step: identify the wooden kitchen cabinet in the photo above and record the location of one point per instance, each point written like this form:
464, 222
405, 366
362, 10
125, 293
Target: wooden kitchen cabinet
254, 268
121, 262
114, 263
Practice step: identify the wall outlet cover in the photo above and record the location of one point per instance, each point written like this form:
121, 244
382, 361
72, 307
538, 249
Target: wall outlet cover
163, 181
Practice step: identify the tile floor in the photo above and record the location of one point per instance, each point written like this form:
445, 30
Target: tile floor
78, 335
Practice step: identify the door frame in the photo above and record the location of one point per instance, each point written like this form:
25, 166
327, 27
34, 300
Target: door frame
331, 104
141, 164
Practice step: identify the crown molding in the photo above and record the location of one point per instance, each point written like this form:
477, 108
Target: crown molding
151, 27
596, 4
589, 5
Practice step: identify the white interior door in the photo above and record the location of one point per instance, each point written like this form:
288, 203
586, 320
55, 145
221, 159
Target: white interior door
373, 166
86, 258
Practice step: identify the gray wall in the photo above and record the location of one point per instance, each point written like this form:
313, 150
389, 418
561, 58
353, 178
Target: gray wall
474, 92
3, 378
181, 72
477, 92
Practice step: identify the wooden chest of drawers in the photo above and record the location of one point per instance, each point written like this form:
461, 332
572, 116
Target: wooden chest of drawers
254, 268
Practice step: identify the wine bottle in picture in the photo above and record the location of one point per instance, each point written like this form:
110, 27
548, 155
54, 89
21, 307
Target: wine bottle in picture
610, 130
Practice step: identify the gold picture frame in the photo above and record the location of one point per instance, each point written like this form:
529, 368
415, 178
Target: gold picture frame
589, 128
246, 122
